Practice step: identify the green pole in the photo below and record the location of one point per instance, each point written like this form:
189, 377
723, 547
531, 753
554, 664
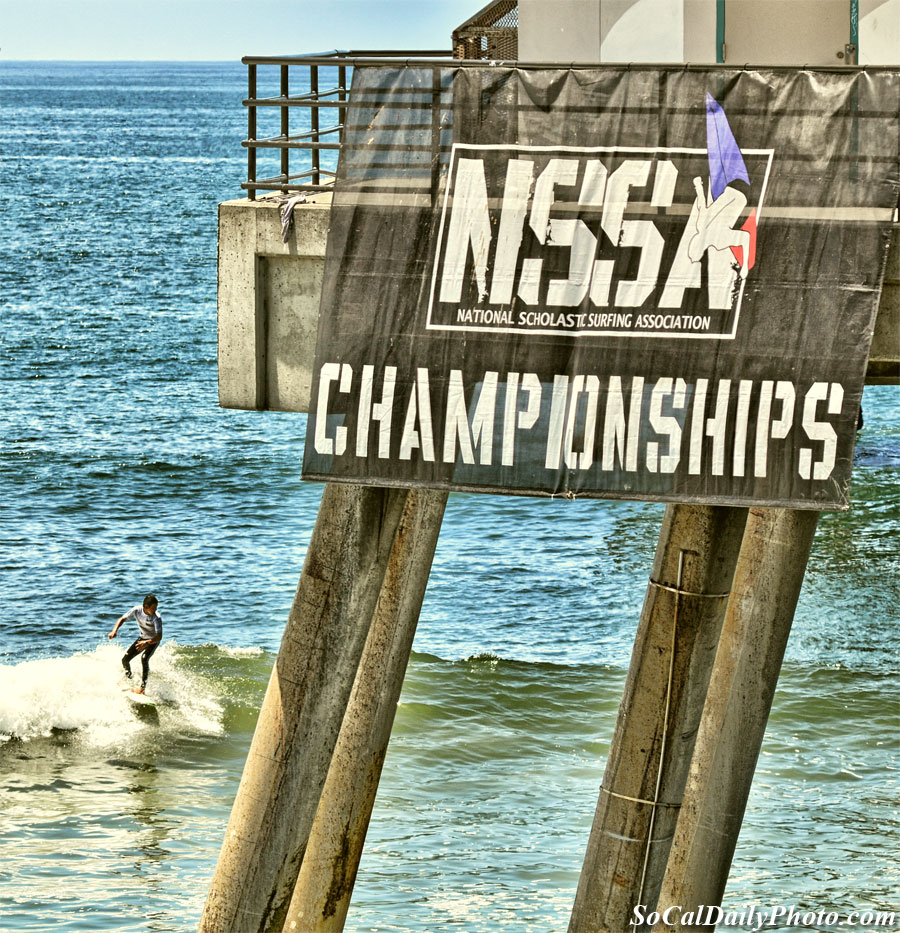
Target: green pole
720, 31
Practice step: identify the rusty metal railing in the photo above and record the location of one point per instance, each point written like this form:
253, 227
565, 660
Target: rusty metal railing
317, 87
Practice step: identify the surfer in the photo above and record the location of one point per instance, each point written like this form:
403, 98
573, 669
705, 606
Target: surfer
150, 625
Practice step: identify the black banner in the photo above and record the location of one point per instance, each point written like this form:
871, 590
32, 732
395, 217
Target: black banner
641, 283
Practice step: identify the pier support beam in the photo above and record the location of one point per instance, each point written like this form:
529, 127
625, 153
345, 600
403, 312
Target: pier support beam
303, 708
654, 736
754, 637
322, 894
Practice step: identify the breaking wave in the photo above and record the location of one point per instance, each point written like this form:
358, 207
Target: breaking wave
87, 692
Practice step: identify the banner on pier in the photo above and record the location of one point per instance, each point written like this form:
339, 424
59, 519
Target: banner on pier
642, 283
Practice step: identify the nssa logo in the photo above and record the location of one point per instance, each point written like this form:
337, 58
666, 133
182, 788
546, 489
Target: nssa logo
605, 240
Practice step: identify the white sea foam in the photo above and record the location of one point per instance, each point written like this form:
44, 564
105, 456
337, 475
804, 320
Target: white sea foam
86, 692
251, 652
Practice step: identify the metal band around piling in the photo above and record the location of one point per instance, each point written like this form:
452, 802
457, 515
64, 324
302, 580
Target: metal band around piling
665, 723
649, 803
682, 592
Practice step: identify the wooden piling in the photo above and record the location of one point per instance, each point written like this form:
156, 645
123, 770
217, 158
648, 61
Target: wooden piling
651, 747
325, 884
303, 708
754, 637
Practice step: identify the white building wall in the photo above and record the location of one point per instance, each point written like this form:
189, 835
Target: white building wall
788, 32
559, 30
879, 32
700, 31
604, 30
641, 30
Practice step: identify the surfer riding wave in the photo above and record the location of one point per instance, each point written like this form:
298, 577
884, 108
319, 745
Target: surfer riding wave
150, 625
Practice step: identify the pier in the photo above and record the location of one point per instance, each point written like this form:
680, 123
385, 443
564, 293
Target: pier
710, 636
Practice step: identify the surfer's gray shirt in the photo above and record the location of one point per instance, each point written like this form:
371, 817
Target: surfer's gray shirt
149, 624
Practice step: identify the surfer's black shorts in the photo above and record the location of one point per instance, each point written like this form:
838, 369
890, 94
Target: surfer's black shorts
132, 652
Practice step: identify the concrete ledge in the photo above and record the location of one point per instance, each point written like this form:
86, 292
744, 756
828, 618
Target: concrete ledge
268, 305
268, 302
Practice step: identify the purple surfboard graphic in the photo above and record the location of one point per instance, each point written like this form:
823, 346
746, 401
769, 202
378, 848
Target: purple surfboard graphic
726, 164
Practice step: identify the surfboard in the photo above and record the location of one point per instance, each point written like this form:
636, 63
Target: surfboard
140, 699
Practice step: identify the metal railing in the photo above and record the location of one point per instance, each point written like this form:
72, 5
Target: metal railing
320, 136
319, 132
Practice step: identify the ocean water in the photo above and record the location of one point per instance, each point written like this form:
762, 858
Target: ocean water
120, 475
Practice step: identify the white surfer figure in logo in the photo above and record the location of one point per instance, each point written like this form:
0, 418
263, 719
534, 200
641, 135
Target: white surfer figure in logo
715, 213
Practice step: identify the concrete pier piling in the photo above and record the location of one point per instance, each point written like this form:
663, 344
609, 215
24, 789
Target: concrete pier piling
325, 884
651, 748
754, 636
304, 706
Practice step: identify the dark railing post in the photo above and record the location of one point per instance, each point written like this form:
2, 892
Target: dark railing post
435, 131
342, 96
251, 129
285, 110
314, 119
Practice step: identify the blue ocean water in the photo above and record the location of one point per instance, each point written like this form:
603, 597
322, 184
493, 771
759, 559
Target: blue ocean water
120, 475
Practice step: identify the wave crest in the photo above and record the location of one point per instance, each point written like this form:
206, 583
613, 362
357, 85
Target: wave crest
87, 692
